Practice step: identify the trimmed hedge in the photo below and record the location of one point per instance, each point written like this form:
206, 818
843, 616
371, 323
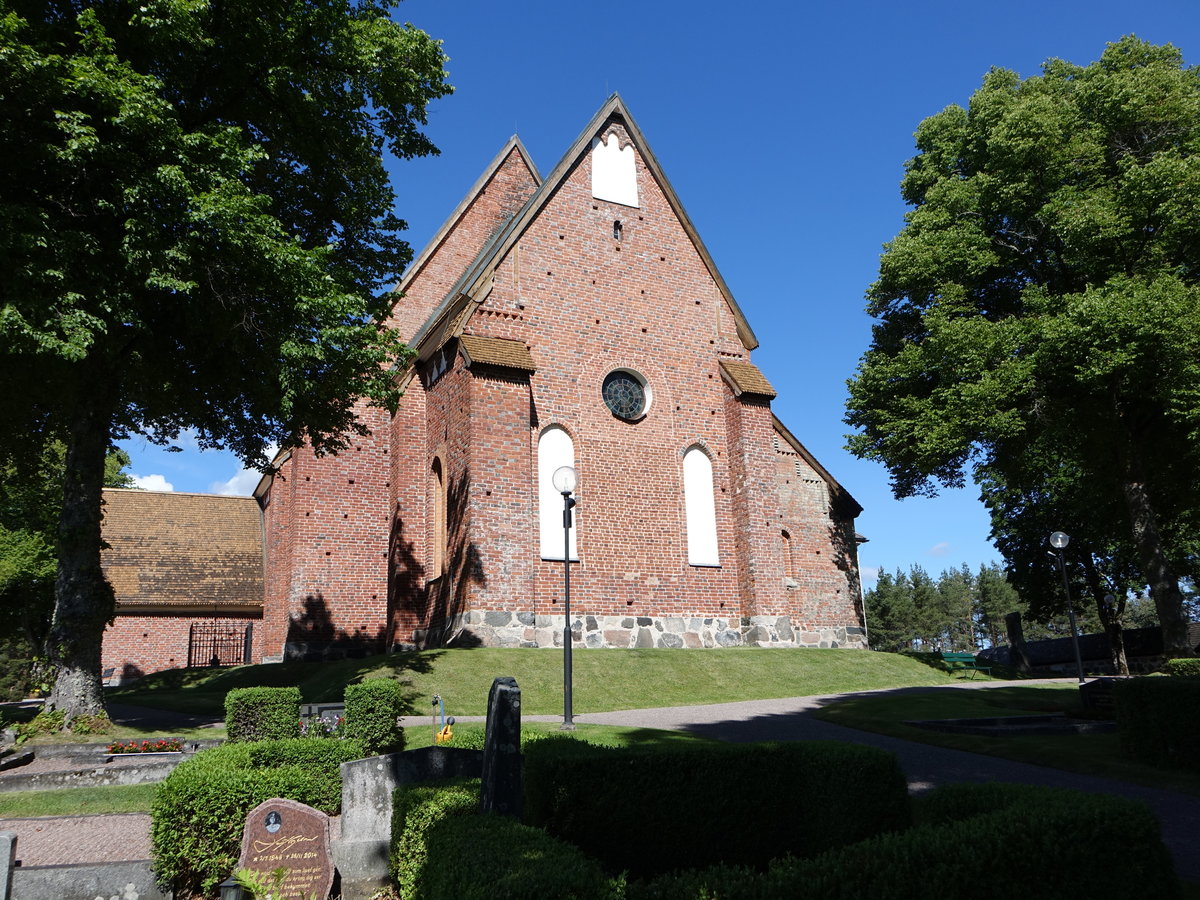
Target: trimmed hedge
415, 807
1187, 668
1157, 722
262, 713
489, 857
1046, 843
651, 812
372, 710
199, 811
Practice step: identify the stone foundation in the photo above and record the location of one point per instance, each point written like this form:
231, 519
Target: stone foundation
524, 629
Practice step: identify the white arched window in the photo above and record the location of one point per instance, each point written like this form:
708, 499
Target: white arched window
701, 508
555, 449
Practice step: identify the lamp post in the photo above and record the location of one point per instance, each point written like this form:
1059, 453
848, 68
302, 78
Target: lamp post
1058, 541
564, 480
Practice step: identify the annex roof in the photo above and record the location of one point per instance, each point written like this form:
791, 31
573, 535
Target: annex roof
746, 378
496, 352
183, 553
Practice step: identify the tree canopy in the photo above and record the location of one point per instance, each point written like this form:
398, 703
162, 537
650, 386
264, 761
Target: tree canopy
1039, 314
195, 225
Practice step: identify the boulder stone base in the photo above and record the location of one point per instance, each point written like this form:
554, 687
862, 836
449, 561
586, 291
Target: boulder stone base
498, 628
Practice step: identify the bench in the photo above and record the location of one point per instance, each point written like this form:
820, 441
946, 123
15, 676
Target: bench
964, 662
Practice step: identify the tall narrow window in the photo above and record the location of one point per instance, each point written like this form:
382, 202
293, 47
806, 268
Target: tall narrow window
555, 449
701, 509
437, 489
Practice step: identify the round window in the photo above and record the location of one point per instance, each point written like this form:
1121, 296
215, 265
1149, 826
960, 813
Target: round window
625, 394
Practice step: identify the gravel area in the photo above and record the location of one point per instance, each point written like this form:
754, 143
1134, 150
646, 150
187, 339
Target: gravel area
59, 840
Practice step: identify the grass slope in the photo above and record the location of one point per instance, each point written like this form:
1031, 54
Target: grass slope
603, 680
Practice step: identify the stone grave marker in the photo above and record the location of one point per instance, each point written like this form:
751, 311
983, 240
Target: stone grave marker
287, 834
502, 789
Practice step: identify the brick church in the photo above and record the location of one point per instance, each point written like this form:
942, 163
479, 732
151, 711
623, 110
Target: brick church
575, 319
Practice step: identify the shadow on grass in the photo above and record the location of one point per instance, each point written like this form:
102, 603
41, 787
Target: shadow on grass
203, 690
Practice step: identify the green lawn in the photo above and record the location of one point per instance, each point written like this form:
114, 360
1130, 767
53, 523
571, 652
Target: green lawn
604, 680
1090, 754
83, 801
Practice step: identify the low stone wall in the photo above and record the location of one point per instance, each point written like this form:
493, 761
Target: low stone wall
498, 628
120, 880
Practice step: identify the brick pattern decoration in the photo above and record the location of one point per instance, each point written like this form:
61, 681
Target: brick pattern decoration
172, 559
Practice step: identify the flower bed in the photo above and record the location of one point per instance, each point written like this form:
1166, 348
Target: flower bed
161, 745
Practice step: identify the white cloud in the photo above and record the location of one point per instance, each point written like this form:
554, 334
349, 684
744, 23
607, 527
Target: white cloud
152, 483
939, 549
869, 573
240, 485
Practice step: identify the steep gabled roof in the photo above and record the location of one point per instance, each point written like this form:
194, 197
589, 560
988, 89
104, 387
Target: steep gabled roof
513, 143
475, 283
183, 553
746, 378
836, 491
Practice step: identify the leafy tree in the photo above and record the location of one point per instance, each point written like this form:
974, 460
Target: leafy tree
995, 598
195, 224
1042, 306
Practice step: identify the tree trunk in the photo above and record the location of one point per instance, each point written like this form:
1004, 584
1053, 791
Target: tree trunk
1110, 617
83, 602
1164, 584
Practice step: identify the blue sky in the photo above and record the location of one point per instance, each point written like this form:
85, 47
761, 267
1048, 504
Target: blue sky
783, 127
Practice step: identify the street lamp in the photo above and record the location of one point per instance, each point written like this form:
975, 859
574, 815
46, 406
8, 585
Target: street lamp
564, 480
1058, 541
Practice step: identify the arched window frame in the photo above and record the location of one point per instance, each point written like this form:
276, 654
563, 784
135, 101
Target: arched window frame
700, 507
556, 448
437, 491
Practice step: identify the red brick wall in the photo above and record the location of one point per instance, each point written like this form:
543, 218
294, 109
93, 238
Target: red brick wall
327, 536
140, 644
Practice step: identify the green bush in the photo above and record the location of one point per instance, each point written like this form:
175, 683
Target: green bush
199, 811
415, 807
1051, 843
650, 812
1188, 668
372, 712
262, 713
1156, 720
488, 857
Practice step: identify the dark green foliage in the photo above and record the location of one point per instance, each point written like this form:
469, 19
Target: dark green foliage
200, 811
197, 227
486, 857
651, 812
1188, 668
415, 809
1038, 320
1046, 843
262, 713
1157, 722
372, 710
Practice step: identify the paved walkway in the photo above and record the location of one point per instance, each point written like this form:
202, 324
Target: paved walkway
58, 839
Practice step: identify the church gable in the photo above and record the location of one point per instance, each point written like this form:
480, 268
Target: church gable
503, 188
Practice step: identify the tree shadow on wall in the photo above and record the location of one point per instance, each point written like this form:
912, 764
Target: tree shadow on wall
313, 636
447, 596
845, 556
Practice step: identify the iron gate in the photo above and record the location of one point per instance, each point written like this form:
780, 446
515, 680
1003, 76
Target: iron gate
219, 644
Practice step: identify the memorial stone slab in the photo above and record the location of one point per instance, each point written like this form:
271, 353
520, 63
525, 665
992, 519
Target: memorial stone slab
290, 835
502, 789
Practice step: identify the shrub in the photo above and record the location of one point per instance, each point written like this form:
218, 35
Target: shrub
415, 807
262, 713
1188, 668
372, 712
488, 857
654, 811
199, 811
1156, 720
1052, 843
